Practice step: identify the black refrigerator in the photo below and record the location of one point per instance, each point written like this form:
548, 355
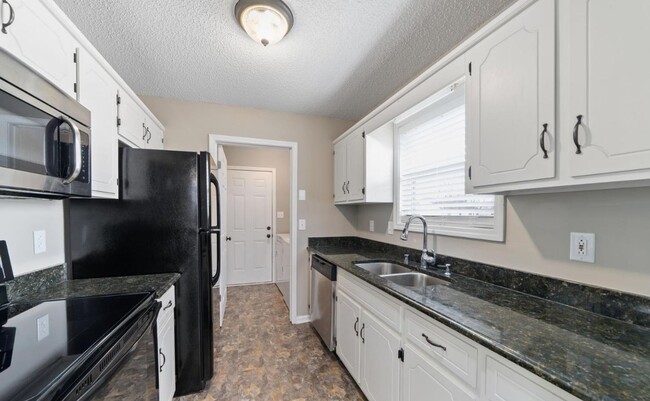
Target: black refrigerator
161, 223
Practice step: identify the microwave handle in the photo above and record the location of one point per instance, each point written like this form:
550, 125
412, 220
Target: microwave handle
77, 150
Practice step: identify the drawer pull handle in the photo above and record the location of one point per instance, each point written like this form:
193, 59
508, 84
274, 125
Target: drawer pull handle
169, 305
163, 357
541, 141
434, 344
575, 134
356, 325
363, 339
11, 16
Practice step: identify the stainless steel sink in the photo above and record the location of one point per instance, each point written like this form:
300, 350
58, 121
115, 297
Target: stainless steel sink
414, 280
383, 268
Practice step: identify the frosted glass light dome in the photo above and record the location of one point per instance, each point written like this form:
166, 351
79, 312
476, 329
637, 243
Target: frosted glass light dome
266, 22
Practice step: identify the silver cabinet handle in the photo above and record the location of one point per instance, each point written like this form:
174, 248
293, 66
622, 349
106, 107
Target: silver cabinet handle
164, 358
169, 305
11, 16
434, 344
356, 327
363, 327
148, 132
144, 131
343, 187
575, 134
347, 187
77, 150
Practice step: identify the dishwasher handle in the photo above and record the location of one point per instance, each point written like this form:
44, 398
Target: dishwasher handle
324, 267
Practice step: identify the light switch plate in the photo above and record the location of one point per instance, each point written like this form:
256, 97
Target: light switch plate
389, 229
302, 224
583, 247
280, 215
40, 242
372, 226
302, 195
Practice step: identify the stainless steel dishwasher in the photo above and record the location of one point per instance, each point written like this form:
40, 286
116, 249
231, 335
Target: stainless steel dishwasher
323, 290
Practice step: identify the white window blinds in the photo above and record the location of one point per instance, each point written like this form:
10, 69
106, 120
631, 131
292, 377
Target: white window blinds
431, 144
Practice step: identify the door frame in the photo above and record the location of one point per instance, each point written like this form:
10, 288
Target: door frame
214, 141
273, 213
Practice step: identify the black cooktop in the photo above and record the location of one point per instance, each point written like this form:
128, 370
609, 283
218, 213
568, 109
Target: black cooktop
41, 343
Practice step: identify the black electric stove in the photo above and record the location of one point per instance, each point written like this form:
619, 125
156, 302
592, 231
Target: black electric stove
64, 349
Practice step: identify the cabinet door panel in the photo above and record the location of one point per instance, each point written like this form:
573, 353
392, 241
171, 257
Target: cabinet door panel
166, 362
132, 121
511, 95
97, 91
348, 316
355, 165
609, 88
425, 382
38, 39
379, 363
340, 171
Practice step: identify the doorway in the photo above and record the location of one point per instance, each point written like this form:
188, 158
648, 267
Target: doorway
290, 215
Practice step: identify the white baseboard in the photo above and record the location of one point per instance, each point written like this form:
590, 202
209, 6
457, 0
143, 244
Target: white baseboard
302, 319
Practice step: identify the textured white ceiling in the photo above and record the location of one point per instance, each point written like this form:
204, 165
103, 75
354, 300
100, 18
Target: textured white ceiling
341, 59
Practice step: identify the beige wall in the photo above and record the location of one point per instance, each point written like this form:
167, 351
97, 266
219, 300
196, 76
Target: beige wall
19, 218
278, 159
537, 237
188, 124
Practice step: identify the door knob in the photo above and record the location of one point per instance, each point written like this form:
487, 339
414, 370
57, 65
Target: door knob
268, 228
228, 238
268, 235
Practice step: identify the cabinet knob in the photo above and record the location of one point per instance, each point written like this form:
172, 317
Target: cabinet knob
268, 235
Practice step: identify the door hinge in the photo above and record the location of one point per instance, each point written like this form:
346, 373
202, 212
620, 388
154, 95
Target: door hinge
336, 297
74, 86
335, 342
74, 57
363, 134
363, 191
470, 173
400, 354
118, 99
117, 182
470, 69
119, 121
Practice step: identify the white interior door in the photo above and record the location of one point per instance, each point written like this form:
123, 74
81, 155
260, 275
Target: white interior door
222, 177
250, 205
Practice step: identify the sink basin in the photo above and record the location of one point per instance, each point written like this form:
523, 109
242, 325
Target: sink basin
382, 268
414, 280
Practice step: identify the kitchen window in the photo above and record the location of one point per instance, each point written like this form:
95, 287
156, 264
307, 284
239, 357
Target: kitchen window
430, 171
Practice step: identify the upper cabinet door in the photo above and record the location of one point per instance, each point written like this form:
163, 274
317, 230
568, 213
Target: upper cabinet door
511, 100
97, 92
609, 59
340, 171
132, 127
39, 40
355, 165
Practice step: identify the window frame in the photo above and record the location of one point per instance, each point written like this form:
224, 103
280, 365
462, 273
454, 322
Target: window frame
436, 225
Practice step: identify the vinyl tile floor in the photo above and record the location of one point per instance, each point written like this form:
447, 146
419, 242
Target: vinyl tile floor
260, 355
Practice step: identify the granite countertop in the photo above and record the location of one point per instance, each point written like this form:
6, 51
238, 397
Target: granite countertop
159, 283
590, 356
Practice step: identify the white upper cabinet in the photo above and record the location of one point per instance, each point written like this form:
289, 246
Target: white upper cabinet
131, 126
40, 41
154, 138
98, 93
363, 166
511, 100
610, 89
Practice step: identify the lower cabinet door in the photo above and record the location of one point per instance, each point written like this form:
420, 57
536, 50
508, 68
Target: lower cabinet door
166, 362
423, 381
380, 366
348, 316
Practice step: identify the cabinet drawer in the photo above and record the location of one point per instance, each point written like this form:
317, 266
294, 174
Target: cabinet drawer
168, 303
504, 384
384, 308
458, 356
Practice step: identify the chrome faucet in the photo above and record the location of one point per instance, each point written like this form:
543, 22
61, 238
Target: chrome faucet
428, 256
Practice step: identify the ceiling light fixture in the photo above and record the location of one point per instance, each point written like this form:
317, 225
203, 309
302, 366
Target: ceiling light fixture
265, 21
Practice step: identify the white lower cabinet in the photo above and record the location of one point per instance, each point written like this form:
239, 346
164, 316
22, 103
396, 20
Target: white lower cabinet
380, 366
424, 381
396, 353
166, 352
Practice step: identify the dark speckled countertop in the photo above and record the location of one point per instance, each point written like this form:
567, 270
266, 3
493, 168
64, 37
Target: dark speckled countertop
159, 283
590, 356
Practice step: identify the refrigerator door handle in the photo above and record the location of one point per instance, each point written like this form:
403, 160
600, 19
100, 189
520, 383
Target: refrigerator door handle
216, 229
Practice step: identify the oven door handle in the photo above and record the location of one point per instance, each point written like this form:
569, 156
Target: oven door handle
77, 150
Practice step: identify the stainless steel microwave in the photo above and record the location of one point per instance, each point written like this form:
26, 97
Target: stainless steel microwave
44, 136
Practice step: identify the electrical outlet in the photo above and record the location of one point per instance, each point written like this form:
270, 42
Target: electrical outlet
43, 327
372, 226
583, 247
302, 224
389, 229
40, 242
